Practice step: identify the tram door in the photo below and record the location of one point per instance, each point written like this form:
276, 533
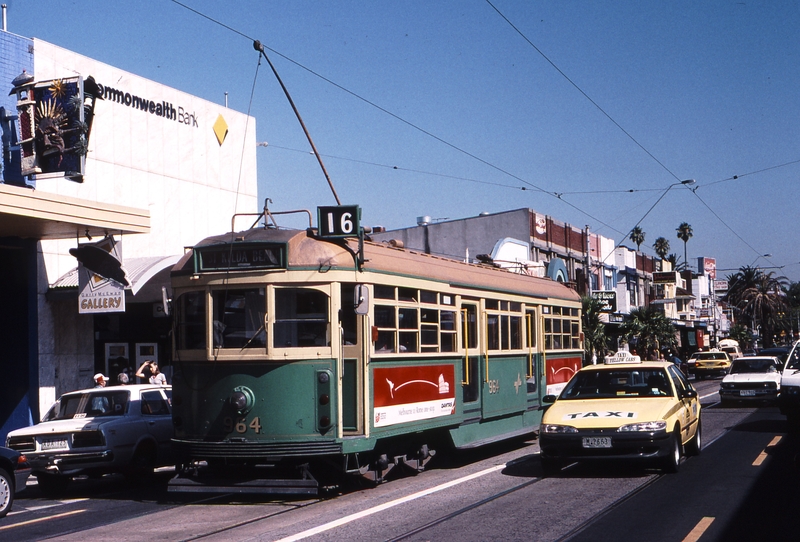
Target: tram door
354, 326
470, 370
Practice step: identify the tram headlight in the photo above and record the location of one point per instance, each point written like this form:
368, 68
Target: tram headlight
324, 407
242, 399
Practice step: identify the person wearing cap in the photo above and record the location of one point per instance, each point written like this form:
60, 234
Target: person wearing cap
100, 380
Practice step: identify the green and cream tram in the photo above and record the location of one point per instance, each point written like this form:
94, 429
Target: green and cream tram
298, 358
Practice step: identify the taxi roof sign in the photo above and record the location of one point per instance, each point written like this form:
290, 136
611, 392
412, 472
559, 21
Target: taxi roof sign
622, 356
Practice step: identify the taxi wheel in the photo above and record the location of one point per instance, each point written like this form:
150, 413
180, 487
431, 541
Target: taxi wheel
672, 461
694, 446
6, 493
550, 466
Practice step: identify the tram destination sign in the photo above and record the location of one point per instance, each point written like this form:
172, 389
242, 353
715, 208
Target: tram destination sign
240, 256
339, 221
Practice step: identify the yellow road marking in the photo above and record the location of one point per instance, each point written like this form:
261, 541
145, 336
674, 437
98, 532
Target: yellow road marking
39, 520
699, 530
763, 455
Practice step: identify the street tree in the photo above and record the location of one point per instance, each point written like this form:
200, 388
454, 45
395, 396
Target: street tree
684, 234
661, 247
594, 329
649, 330
637, 236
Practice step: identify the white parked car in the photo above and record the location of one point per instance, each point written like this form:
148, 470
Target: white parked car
752, 378
95, 431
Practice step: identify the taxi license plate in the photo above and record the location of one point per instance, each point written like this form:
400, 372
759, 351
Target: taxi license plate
54, 444
597, 442
744, 393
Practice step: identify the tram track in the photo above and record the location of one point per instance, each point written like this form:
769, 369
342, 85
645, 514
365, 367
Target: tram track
252, 521
464, 510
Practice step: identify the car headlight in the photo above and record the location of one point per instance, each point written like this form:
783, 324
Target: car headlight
643, 426
727, 385
552, 429
772, 385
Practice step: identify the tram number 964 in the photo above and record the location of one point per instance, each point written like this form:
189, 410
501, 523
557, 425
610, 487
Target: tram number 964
494, 386
240, 425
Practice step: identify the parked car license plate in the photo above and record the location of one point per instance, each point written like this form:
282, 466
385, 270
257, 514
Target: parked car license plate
745, 393
597, 442
54, 444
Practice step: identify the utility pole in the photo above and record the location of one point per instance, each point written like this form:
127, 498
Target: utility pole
588, 263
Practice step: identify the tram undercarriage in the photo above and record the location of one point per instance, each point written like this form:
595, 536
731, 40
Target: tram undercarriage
321, 476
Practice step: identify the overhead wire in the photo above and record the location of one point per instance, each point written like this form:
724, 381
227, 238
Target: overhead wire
557, 195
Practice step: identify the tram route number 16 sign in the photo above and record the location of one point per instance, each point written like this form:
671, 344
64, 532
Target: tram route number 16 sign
339, 221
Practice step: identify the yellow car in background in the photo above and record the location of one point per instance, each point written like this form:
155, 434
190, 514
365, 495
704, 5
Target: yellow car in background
709, 363
624, 409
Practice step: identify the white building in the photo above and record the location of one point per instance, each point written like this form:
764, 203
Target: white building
163, 170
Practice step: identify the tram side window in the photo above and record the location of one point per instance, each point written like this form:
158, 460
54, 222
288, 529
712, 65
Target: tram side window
412, 320
504, 330
190, 332
239, 318
301, 318
561, 328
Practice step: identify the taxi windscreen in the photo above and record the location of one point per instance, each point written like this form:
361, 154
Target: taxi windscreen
608, 383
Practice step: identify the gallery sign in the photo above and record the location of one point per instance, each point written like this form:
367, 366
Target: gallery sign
101, 277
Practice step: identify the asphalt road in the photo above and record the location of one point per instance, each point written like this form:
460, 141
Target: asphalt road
743, 486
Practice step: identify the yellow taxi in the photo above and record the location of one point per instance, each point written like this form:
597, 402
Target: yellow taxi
623, 409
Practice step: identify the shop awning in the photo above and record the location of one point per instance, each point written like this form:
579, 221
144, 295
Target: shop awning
146, 275
33, 214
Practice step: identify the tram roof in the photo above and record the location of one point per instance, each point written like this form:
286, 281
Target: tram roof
307, 252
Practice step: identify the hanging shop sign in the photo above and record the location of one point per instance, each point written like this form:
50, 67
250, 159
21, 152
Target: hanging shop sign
101, 277
55, 120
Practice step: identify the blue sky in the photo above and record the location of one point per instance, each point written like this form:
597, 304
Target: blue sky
594, 108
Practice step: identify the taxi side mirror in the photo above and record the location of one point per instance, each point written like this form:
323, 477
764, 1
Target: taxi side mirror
689, 394
549, 399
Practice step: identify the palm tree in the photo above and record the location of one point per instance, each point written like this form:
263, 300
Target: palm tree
764, 303
675, 260
594, 330
649, 329
684, 234
792, 293
661, 247
637, 236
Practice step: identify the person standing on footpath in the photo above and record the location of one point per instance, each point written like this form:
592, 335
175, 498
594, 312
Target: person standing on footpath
145, 371
151, 369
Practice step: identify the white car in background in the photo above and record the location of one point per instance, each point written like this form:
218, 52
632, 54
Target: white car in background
752, 378
96, 431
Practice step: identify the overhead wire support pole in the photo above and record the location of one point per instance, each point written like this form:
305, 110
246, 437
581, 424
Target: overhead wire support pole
260, 48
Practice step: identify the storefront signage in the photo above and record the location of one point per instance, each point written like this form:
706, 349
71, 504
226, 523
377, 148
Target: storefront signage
242, 256
665, 277
608, 298
55, 120
159, 109
99, 294
101, 289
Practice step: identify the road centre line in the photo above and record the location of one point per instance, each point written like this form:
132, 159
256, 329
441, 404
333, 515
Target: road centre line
39, 520
763, 455
708, 395
385, 506
698, 530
